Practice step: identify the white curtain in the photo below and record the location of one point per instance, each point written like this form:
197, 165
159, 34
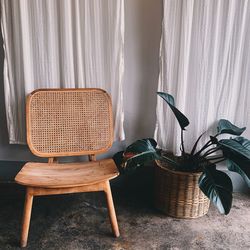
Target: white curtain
205, 65
61, 44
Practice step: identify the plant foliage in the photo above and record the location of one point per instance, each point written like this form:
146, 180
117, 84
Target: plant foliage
215, 184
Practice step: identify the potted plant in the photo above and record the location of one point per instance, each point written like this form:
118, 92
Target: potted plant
183, 184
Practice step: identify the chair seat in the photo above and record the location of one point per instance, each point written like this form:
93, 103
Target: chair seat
55, 175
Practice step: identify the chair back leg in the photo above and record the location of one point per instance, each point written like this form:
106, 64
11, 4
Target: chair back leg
26, 217
111, 209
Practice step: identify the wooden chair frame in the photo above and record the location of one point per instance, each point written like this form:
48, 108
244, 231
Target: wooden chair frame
33, 189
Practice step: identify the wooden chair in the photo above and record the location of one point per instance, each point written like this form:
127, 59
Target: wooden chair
68, 122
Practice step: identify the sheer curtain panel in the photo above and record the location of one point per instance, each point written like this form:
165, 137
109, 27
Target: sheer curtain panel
205, 65
61, 44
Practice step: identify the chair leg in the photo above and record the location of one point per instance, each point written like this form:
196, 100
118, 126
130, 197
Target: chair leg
111, 209
26, 218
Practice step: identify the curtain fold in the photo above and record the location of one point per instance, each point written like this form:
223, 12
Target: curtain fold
61, 44
205, 65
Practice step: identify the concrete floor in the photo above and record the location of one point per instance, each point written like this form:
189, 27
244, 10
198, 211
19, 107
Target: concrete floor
80, 221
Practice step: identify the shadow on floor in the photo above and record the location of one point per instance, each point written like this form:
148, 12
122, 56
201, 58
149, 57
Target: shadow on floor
80, 221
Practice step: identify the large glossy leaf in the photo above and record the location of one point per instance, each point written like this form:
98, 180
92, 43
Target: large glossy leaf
226, 127
182, 119
142, 145
239, 146
217, 186
118, 159
243, 141
240, 166
139, 153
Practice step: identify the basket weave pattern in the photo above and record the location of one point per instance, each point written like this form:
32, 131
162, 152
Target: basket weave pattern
178, 194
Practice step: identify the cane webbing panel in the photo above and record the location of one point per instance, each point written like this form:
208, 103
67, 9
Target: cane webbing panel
69, 122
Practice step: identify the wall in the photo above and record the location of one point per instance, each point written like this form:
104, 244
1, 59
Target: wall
142, 38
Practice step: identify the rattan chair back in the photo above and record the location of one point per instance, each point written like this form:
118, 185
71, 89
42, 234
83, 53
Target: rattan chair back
68, 122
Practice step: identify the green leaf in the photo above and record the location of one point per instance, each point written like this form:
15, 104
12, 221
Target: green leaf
140, 159
239, 146
237, 152
118, 159
240, 166
142, 145
139, 153
226, 127
243, 141
217, 186
182, 119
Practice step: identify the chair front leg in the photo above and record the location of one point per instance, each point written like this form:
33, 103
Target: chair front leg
111, 209
26, 217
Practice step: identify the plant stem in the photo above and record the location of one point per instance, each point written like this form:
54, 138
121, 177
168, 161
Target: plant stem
182, 142
211, 159
216, 158
218, 161
196, 143
212, 150
208, 144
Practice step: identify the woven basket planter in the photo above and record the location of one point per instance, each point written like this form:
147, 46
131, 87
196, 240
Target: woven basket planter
177, 194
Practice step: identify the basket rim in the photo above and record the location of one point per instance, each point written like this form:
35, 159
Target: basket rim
195, 173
